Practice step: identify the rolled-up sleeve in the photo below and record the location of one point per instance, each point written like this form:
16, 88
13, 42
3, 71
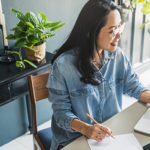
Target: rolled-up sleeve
59, 97
132, 85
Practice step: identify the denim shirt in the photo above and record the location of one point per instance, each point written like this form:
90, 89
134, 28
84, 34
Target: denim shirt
72, 98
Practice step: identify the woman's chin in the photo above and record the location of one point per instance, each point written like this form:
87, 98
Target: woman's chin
112, 49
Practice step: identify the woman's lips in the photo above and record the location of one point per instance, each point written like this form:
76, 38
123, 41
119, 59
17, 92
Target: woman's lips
114, 44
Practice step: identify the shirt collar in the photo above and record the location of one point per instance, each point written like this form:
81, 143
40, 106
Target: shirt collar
108, 55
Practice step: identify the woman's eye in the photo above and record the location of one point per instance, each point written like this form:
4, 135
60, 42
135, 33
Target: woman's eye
111, 32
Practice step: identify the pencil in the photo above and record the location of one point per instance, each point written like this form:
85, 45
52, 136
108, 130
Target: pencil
96, 123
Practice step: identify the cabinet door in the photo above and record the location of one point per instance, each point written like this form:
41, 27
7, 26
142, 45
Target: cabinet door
4, 93
19, 87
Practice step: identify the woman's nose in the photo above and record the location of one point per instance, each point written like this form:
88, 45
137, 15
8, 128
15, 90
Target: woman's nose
118, 35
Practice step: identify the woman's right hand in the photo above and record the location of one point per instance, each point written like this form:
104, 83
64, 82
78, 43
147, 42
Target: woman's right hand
96, 132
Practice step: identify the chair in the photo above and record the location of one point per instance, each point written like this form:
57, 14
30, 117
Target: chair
38, 91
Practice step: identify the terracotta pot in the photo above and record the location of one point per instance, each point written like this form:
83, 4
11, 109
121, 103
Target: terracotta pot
36, 56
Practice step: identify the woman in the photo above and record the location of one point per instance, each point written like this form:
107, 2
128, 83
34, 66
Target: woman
89, 75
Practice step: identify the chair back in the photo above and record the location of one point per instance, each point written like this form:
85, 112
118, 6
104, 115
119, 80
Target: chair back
38, 91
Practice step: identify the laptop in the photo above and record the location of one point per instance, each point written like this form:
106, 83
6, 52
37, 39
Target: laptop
143, 125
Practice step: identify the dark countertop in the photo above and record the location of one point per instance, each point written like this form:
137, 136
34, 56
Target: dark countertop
9, 72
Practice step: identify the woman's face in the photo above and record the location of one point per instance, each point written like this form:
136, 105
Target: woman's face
110, 34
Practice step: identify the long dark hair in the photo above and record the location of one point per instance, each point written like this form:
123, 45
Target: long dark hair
83, 37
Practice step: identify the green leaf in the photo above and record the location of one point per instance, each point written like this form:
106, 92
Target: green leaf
146, 8
22, 25
31, 17
12, 52
20, 64
19, 30
19, 35
11, 37
34, 41
50, 35
57, 27
142, 26
19, 15
47, 35
29, 24
33, 49
39, 17
40, 31
44, 17
51, 24
141, 1
30, 63
20, 43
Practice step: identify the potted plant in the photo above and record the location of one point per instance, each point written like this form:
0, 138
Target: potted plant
31, 33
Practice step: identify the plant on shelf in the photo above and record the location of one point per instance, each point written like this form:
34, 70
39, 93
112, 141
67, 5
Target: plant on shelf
31, 34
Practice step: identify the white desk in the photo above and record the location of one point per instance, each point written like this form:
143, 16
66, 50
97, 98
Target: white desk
121, 123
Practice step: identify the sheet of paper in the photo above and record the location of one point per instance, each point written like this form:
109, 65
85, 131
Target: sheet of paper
121, 142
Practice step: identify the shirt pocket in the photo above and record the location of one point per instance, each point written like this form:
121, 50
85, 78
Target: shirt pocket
117, 83
84, 92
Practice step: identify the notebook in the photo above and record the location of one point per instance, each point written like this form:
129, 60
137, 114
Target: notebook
143, 125
121, 142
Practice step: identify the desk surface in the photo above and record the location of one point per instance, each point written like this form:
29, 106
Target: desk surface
121, 123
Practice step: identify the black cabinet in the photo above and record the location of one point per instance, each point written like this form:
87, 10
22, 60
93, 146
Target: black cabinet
4, 93
14, 84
